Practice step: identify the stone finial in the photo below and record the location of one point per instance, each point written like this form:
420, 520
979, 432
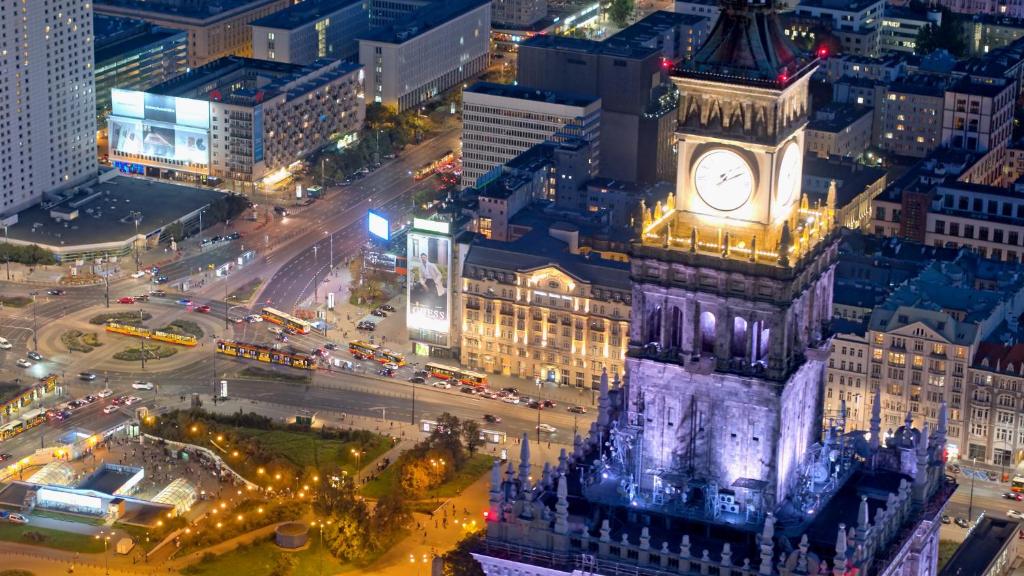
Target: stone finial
768, 532
670, 202
524, 459
805, 204
767, 545
563, 462
785, 242
725, 245
876, 421
726, 554
664, 547
545, 477
943, 421
625, 539
693, 239
645, 538
495, 491
830, 199
659, 210
684, 546
606, 531
705, 555
839, 564
562, 506
922, 445
863, 522
753, 249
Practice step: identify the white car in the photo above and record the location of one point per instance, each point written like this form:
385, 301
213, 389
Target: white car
510, 399
254, 318
391, 366
142, 385
105, 392
5, 344
275, 330
442, 384
110, 409
1016, 515
23, 363
138, 274
547, 428
132, 400
17, 519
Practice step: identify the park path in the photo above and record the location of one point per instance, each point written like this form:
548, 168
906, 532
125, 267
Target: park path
222, 547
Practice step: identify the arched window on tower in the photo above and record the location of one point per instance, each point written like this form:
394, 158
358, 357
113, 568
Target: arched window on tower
676, 325
653, 325
707, 332
739, 337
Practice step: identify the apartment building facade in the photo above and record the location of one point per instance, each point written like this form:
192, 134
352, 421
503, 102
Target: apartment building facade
501, 121
313, 29
434, 49
134, 55
549, 315
48, 98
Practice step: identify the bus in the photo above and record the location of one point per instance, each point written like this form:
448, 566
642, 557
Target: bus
385, 356
467, 377
286, 320
11, 429
1017, 484
362, 350
266, 354
430, 168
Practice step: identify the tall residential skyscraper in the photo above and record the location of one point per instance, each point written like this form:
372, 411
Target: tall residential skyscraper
47, 99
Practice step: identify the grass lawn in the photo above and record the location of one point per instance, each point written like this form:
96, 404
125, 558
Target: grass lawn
68, 517
260, 559
15, 301
387, 480
305, 449
51, 538
246, 292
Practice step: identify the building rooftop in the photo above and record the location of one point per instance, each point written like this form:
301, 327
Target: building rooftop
905, 13
921, 84
981, 547
247, 81
519, 92
836, 117
655, 23
624, 49
537, 249
980, 87
204, 11
299, 15
107, 217
116, 37
841, 5
949, 298
424, 20
852, 178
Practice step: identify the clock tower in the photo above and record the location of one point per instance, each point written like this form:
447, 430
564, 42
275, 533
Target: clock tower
732, 285
743, 108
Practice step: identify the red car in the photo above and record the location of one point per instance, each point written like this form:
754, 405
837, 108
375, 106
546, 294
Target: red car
126, 300
204, 309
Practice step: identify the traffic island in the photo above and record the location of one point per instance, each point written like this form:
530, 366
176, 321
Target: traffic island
133, 318
78, 341
153, 352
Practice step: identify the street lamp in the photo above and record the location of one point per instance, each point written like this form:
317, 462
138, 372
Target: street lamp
105, 536
970, 502
321, 554
7, 255
35, 339
136, 217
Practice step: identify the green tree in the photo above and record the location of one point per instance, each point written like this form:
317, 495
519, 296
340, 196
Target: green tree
459, 562
948, 35
390, 516
471, 435
620, 11
284, 565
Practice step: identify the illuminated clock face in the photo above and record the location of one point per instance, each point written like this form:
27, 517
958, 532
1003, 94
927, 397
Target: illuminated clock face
788, 185
723, 180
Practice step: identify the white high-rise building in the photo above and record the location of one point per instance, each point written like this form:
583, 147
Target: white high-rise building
47, 99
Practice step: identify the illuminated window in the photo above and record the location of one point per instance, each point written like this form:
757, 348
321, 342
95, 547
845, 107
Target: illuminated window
876, 354
918, 361
939, 349
897, 358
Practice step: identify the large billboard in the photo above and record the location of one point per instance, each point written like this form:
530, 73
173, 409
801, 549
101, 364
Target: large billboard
160, 128
378, 225
429, 282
